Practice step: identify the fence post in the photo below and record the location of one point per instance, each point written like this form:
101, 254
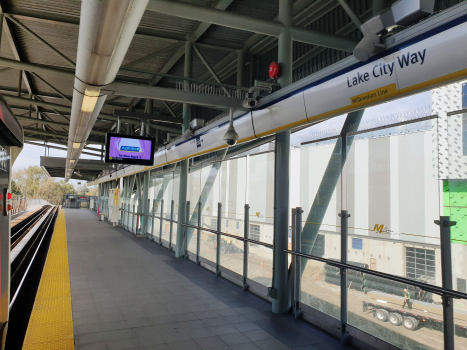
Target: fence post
344, 234
246, 246
297, 246
153, 213
171, 223
185, 231
161, 222
198, 234
218, 250
133, 222
446, 274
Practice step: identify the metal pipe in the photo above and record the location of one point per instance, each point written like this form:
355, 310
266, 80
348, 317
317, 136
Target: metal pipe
106, 30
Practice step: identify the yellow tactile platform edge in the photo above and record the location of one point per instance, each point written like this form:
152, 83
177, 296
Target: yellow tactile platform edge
51, 324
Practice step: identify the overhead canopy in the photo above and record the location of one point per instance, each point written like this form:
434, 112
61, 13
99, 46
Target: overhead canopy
87, 168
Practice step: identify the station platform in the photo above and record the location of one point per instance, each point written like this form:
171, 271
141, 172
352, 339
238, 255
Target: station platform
130, 293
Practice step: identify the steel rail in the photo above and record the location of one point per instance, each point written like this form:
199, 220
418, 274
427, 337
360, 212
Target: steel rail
428, 287
28, 223
44, 230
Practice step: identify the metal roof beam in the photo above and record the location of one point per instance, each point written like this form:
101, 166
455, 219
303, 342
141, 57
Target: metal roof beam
148, 116
38, 38
56, 147
60, 72
60, 136
32, 138
305, 12
82, 164
158, 93
52, 123
143, 33
353, 16
220, 6
232, 20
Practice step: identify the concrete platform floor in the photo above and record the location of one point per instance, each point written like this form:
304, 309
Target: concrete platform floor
130, 293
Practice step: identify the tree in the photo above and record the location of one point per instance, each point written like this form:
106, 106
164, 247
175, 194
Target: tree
35, 182
15, 190
29, 179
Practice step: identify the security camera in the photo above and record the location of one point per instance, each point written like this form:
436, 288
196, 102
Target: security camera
250, 102
231, 136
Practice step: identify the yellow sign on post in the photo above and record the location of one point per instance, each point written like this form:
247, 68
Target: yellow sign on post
116, 196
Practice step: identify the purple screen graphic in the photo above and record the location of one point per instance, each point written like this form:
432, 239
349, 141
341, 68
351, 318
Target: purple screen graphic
124, 148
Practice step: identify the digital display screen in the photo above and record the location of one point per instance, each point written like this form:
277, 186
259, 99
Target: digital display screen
125, 149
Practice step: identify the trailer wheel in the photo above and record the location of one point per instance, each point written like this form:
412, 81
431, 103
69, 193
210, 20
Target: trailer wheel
222, 249
395, 319
382, 315
410, 323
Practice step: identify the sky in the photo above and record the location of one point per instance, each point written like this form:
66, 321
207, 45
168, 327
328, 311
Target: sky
31, 154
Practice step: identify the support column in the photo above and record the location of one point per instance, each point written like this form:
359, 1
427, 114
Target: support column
281, 171
184, 163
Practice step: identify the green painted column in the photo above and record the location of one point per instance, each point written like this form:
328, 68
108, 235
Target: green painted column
281, 173
182, 196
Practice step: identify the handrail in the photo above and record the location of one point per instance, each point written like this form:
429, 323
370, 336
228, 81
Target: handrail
267, 245
428, 287
230, 235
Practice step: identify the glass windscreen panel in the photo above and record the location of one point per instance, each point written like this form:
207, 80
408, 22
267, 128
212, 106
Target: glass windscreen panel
401, 314
319, 188
165, 209
175, 198
194, 193
233, 194
210, 198
260, 182
454, 203
393, 196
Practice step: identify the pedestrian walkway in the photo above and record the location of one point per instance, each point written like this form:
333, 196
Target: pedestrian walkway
130, 293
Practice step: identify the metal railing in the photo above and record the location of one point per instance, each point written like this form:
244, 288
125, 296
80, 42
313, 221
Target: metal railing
131, 218
446, 292
18, 204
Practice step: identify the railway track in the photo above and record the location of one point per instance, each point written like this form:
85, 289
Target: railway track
30, 245
21, 228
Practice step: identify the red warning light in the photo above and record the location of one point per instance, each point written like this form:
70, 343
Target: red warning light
9, 195
9, 207
273, 70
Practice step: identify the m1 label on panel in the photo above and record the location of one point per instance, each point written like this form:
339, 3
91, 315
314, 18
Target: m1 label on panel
4, 157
